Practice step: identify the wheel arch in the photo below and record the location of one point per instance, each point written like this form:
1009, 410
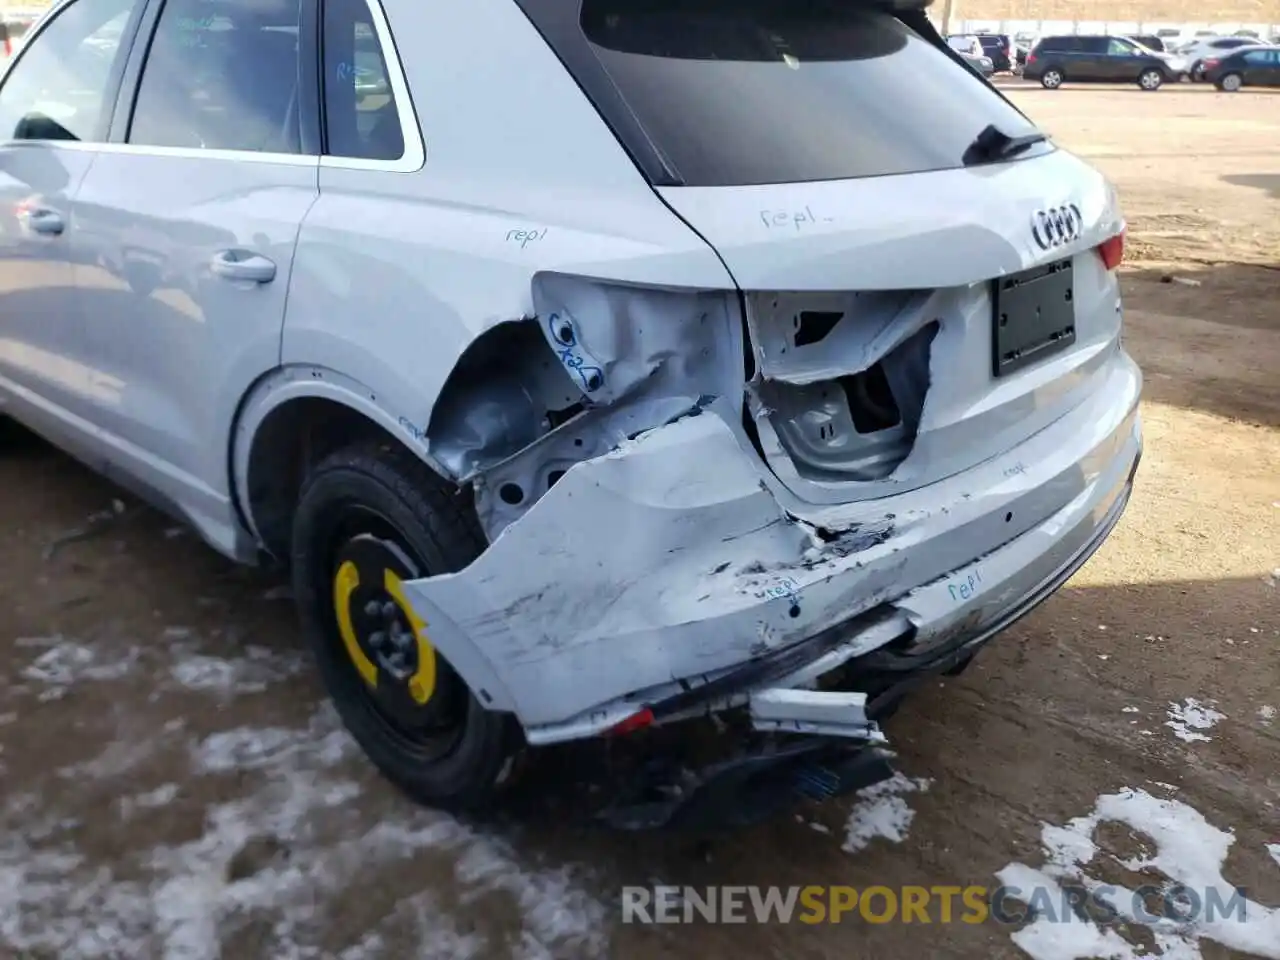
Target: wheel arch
291, 418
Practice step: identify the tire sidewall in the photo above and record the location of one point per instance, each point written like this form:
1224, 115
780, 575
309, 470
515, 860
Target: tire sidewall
1226, 84
465, 776
1151, 72
1047, 79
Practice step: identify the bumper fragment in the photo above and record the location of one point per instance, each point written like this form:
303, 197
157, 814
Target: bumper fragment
821, 712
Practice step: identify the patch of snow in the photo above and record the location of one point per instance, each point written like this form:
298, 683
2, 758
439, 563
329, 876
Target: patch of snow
119, 757
162, 796
1266, 714
1130, 710
305, 821
1189, 851
253, 673
66, 662
881, 811
1188, 719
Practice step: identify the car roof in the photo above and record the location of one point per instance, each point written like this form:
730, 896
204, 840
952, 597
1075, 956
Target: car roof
1249, 48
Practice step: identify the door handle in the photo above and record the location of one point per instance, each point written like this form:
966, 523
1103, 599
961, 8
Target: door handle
46, 221
242, 265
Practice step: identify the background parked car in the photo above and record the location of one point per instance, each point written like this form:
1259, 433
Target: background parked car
982, 65
1099, 59
999, 47
1151, 42
1212, 48
1248, 67
966, 43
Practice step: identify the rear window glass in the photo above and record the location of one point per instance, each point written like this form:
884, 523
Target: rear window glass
737, 92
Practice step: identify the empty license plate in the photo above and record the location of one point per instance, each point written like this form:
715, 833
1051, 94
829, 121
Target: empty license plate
1033, 316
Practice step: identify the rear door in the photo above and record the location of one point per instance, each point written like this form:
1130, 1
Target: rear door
187, 224
1079, 61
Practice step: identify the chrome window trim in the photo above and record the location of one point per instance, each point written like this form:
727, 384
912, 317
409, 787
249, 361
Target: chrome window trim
412, 160
185, 153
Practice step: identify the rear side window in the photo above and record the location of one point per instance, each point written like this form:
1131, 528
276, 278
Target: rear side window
221, 76
1059, 44
361, 119
737, 92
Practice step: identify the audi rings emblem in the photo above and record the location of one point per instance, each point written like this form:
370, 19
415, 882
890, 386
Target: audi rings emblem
1057, 226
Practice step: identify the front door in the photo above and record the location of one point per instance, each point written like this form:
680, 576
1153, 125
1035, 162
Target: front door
54, 104
187, 237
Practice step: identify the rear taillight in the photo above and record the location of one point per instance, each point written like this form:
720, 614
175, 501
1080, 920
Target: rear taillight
1210, 64
637, 721
1112, 251
1031, 58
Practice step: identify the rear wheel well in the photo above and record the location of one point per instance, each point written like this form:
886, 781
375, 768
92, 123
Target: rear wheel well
292, 439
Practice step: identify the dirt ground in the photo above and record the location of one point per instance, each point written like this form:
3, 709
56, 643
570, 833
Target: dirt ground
174, 786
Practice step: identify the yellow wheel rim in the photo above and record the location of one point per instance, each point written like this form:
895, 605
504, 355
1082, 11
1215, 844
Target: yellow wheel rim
422, 684
344, 584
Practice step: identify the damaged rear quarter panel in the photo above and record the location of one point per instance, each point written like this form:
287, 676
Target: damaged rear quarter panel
397, 274
664, 559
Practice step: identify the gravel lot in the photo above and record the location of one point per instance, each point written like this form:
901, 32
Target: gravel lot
174, 786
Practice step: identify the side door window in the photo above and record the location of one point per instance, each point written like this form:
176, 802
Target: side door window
1121, 48
221, 76
362, 115
61, 86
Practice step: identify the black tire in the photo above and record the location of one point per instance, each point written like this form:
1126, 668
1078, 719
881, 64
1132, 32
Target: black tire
14, 436
403, 502
1230, 83
1052, 78
1151, 79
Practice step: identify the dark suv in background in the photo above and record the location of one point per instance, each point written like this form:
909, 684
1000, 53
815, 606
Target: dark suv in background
999, 47
1097, 59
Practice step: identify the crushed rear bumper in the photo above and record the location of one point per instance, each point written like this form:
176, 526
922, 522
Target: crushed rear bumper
676, 575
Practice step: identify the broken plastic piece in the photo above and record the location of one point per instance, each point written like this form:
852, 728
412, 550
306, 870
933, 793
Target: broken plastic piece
827, 713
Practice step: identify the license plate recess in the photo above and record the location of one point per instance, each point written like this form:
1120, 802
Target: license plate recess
1033, 316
